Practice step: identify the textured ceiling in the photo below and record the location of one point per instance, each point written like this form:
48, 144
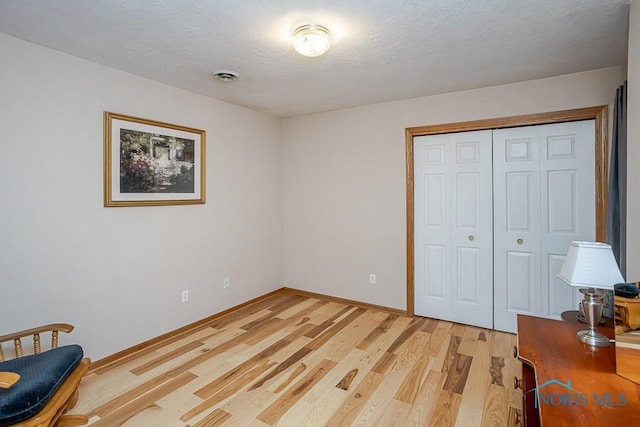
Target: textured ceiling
382, 50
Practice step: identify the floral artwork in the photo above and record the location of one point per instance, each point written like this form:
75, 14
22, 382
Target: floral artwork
152, 163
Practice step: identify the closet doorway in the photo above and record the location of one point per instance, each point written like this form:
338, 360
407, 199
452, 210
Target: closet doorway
475, 300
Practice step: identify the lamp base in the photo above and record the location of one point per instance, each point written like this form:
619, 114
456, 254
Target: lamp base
593, 338
592, 308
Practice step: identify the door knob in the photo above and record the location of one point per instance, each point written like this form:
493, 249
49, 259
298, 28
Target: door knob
471, 237
519, 241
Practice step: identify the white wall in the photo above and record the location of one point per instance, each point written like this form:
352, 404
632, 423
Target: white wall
117, 273
633, 148
338, 179
344, 179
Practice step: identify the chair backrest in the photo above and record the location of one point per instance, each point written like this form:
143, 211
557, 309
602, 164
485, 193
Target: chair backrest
16, 338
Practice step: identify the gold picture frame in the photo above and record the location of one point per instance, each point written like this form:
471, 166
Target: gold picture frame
152, 163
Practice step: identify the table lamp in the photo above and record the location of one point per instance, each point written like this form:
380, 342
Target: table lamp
592, 266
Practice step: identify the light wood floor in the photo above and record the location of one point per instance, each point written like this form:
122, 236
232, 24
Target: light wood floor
291, 360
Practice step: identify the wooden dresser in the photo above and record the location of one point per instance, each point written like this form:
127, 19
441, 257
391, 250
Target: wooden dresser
568, 383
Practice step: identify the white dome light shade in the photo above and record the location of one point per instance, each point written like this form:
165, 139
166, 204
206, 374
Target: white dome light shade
311, 40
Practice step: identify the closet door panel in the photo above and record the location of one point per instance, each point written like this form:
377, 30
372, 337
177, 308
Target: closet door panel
435, 271
568, 199
473, 229
433, 222
469, 280
520, 281
559, 296
519, 201
453, 236
544, 189
469, 284
516, 179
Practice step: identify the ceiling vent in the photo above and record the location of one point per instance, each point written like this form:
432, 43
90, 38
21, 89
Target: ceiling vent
225, 75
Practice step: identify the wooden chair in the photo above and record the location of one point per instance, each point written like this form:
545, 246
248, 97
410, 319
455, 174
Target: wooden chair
65, 396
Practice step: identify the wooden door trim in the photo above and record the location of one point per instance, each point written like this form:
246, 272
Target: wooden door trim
598, 113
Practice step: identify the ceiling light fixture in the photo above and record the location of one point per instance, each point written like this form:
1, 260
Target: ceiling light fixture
311, 40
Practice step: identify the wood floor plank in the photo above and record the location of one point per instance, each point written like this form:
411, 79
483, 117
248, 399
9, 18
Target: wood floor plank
394, 414
348, 337
452, 352
457, 329
268, 329
245, 312
326, 398
285, 304
292, 360
214, 419
469, 340
327, 311
333, 330
222, 348
273, 312
468, 416
408, 355
328, 322
496, 408
477, 384
274, 411
165, 358
443, 350
314, 414
300, 369
306, 305
425, 402
227, 391
458, 373
430, 325
246, 405
413, 327
304, 312
382, 328
349, 410
497, 363
127, 411
346, 381
240, 369
385, 362
121, 400
409, 388
446, 409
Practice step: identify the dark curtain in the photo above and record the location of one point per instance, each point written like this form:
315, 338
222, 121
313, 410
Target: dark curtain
616, 233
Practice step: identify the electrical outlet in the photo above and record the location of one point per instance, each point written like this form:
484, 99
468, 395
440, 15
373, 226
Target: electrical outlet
372, 279
226, 282
185, 295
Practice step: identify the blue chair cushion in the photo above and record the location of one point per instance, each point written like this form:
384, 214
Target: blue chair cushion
40, 376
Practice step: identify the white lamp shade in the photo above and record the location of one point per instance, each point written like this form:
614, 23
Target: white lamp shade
590, 265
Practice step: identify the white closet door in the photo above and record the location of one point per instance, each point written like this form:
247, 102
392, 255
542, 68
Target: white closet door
568, 179
453, 227
544, 185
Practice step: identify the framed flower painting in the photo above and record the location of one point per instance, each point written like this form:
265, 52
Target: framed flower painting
151, 163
